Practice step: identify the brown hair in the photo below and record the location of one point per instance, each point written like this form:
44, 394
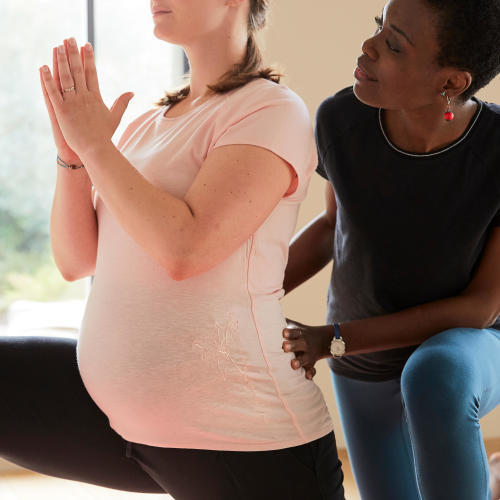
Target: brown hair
246, 71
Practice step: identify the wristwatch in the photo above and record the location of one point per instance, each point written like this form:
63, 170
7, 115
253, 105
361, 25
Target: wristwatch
337, 347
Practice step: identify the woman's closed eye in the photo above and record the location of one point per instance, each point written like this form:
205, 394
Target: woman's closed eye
380, 24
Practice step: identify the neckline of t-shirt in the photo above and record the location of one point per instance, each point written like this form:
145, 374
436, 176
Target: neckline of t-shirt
203, 105
453, 145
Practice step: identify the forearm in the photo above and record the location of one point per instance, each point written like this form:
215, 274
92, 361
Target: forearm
158, 221
415, 325
310, 251
73, 225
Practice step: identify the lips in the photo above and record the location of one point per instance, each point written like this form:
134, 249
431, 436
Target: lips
156, 9
361, 73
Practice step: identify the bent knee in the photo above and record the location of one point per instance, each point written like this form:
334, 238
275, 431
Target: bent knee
441, 365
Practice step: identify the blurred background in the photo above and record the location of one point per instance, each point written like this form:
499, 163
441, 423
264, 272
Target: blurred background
33, 296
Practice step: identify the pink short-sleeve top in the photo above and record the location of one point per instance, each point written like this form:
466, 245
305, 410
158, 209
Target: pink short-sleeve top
198, 363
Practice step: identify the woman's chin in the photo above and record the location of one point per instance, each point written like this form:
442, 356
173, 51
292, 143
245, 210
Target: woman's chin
365, 96
166, 36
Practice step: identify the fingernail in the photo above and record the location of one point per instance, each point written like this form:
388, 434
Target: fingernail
88, 47
72, 42
61, 49
45, 69
286, 334
286, 346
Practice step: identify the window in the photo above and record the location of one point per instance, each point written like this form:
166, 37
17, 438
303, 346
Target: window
33, 296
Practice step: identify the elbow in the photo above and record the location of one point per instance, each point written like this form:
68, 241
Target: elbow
180, 268
179, 273
489, 317
73, 276
485, 312
75, 273
189, 265
189, 258
68, 276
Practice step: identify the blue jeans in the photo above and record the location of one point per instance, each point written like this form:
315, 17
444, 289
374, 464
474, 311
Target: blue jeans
418, 437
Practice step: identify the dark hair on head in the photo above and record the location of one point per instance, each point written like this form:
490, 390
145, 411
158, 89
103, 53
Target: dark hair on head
247, 70
469, 38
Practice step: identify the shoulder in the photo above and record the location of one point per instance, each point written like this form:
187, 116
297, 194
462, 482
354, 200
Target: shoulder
492, 113
260, 94
486, 141
485, 136
343, 108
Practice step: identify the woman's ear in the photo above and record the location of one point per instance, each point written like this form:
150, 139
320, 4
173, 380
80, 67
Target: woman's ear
457, 83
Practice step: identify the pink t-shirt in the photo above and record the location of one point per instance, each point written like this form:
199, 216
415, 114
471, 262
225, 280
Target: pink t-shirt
198, 363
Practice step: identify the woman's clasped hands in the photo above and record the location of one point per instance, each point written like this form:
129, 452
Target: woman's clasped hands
80, 120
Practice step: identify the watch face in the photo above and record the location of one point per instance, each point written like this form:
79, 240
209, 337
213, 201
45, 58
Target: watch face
337, 347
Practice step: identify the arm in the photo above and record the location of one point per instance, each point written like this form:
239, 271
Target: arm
311, 249
234, 192
73, 222
477, 306
73, 225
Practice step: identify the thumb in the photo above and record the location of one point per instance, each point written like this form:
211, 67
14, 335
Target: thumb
120, 105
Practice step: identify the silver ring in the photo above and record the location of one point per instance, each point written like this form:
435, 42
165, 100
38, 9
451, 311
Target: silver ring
70, 89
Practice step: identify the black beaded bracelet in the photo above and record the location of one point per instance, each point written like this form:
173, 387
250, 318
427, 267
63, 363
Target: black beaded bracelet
62, 163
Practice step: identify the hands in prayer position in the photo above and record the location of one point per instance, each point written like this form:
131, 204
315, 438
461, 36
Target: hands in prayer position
80, 120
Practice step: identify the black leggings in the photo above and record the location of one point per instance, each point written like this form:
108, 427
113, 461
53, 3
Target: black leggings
49, 424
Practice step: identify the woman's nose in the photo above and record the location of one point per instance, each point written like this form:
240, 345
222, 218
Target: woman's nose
368, 48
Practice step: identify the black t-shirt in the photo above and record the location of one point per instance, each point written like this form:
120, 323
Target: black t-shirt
411, 228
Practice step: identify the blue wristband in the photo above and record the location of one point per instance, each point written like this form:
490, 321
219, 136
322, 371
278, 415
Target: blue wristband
336, 330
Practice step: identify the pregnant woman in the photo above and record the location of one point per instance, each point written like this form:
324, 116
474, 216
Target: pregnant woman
181, 385
412, 164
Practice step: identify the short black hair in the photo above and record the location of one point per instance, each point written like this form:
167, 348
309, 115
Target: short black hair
469, 38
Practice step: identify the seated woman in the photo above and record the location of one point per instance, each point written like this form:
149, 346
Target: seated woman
181, 384
412, 163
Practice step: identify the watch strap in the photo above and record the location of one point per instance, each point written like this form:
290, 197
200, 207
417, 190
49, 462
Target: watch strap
336, 330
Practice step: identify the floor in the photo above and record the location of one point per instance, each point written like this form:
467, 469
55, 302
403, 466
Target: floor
30, 486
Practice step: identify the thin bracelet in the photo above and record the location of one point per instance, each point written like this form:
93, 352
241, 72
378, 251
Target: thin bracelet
62, 163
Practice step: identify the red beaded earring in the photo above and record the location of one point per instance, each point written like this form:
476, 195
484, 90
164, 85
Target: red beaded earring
448, 115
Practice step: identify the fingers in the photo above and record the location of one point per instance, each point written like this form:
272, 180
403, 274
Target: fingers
50, 88
65, 76
46, 98
300, 361
292, 333
75, 64
55, 68
303, 360
120, 105
298, 345
90, 69
310, 372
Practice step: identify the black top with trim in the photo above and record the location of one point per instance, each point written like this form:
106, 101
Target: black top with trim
411, 228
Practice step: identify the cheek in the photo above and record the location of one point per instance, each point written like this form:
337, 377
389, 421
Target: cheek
401, 86
390, 89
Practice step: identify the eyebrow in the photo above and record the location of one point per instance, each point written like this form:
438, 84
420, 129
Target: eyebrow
402, 33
